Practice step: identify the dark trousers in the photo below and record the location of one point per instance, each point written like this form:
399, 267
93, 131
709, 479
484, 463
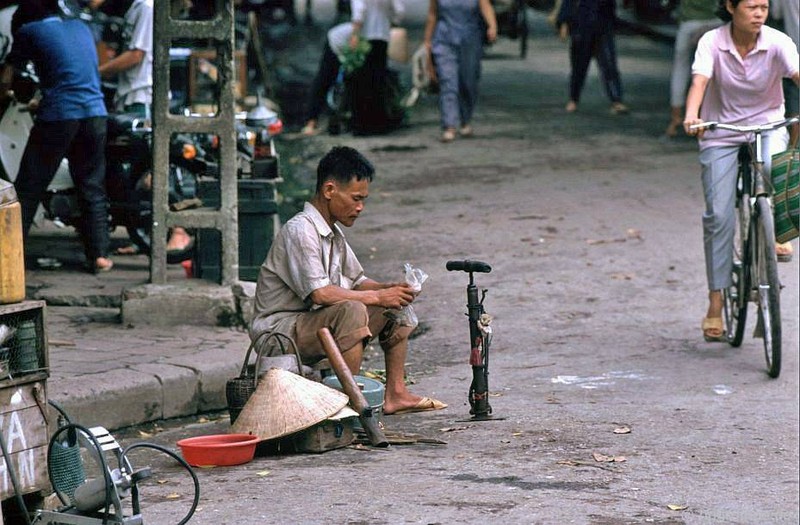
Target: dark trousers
598, 43
326, 76
370, 93
82, 142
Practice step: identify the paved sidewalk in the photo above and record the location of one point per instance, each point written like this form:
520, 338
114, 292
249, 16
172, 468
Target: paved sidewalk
108, 374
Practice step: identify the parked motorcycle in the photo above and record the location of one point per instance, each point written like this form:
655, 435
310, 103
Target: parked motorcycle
128, 172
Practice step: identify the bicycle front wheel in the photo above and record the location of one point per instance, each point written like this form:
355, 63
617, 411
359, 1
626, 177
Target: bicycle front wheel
769, 287
735, 297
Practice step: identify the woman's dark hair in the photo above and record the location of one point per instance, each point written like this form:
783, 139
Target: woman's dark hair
722, 9
343, 164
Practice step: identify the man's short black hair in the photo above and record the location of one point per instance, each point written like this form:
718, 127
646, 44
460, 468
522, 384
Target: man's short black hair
343, 164
33, 11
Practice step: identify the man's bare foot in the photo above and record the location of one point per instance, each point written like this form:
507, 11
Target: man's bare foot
392, 404
310, 128
103, 264
423, 404
179, 239
571, 107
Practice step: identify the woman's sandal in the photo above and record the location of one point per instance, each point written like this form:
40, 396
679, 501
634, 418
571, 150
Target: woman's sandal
713, 330
784, 251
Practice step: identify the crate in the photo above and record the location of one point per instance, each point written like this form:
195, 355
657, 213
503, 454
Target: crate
24, 430
258, 224
23, 356
322, 437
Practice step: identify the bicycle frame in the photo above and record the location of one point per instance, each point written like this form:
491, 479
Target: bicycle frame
754, 276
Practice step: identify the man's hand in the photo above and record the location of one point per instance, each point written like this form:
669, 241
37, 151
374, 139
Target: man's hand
563, 31
395, 296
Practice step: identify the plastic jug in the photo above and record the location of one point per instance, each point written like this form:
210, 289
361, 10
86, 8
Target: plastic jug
12, 261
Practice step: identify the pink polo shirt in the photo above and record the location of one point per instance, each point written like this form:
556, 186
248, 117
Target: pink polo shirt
743, 91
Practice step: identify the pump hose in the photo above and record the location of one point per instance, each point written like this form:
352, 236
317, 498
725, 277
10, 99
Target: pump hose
181, 461
14, 481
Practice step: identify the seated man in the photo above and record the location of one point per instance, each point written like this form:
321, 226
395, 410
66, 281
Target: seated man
311, 279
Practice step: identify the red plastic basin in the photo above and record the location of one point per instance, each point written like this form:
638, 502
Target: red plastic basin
218, 450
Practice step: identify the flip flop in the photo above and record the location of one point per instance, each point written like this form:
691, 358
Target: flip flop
130, 249
713, 324
424, 405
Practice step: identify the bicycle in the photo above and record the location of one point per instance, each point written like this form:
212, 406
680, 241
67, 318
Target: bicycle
755, 263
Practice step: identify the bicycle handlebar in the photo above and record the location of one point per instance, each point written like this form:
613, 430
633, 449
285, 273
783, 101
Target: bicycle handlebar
712, 125
468, 266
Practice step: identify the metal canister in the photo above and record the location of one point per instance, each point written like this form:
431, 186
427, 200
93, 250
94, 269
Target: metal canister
12, 262
373, 392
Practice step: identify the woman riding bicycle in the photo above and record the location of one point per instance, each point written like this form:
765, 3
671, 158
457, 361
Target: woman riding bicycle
736, 78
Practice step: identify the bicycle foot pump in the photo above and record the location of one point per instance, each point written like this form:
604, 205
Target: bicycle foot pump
480, 337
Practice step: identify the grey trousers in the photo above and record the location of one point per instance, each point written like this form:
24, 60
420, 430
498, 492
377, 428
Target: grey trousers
719, 167
458, 68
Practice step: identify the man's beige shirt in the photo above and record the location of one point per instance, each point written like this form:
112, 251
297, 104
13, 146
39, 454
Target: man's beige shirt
305, 256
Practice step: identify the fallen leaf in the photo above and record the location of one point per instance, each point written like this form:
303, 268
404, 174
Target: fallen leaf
262, 473
495, 394
622, 276
633, 233
602, 458
505, 441
516, 434
603, 241
202, 420
677, 507
453, 429
174, 495
622, 430
162, 481
144, 434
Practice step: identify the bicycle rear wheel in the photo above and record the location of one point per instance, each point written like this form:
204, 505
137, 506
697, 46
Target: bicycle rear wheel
769, 287
736, 296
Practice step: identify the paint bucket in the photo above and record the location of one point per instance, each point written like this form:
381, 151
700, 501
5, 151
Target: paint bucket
12, 262
373, 393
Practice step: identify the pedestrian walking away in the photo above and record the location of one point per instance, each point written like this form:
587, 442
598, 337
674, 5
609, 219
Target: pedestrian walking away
736, 78
454, 35
589, 24
695, 18
311, 279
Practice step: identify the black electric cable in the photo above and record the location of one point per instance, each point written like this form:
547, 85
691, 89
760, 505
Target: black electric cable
14, 480
182, 462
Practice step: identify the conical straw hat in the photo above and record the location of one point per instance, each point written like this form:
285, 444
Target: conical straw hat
285, 403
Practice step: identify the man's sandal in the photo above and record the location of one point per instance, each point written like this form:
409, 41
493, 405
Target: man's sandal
713, 330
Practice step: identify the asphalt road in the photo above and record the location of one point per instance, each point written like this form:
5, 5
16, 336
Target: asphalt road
592, 225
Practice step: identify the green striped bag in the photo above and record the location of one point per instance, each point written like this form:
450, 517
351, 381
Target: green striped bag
786, 199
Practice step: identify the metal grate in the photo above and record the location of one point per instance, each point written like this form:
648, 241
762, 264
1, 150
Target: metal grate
22, 344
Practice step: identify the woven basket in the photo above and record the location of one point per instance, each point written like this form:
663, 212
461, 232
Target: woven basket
239, 389
786, 199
